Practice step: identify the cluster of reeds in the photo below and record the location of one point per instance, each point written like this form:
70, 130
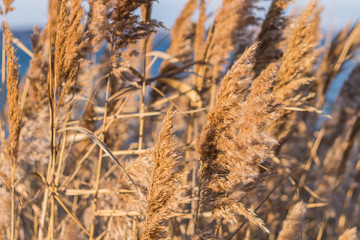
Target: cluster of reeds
226, 135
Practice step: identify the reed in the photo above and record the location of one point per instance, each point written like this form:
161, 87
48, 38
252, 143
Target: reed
14, 117
293, 226
231, 135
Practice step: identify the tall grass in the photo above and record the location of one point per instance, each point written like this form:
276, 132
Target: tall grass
226, 141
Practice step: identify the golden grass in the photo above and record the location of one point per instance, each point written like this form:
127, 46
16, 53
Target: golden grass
227, 141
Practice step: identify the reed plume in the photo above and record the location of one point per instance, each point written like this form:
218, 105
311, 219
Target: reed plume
13, 117
164, 190
117, 23
350, 234
50, 31
97, 22
70, 46
271, 34
233, 147
340, 51
232, 20
180, 33
293, 226
298, 60
13, 98
92, 66
7, 6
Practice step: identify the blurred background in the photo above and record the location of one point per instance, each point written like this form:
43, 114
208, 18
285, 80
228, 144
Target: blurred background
336, 13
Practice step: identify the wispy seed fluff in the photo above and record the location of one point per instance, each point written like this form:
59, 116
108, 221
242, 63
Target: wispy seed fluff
296, 63
293, 227
233, 147
350, 234
12, 97
164, 191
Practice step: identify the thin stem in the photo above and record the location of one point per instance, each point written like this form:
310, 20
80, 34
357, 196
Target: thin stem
52, 219
52, 104
3, 66
189, 137
12, 232
98, 174
197, 212
213, 86
145, 16
61, 157
142, 96
51, 166
92, 147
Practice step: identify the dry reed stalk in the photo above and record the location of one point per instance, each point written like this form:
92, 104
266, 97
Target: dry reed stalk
70, 45
100, 159
146, 16
233, 148
51, 94
350, 234
135, 213
12, 144
3, 75
298, 60
120, 27
293, 226
165, 189
198, 45
62, 154
271, 34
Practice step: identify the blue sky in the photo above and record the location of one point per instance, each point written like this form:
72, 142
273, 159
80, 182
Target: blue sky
337, 13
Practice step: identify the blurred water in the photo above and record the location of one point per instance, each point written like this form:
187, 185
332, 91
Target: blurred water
161, 43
